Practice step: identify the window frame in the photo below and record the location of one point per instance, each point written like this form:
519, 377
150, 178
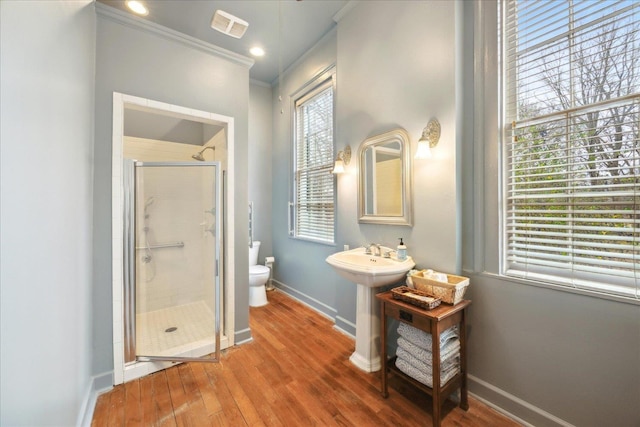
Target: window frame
604, 290
321, 82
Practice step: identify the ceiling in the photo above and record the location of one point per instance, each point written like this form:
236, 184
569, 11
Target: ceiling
286, 28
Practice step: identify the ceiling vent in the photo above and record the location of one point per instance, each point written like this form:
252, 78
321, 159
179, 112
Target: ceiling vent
228, 24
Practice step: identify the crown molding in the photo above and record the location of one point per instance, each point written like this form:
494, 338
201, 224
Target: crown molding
332, 32
345, 10
259, 83
115, 15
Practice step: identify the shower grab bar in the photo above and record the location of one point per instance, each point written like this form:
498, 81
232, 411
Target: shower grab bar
163, 245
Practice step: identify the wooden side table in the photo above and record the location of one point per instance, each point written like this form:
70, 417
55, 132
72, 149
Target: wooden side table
434, 322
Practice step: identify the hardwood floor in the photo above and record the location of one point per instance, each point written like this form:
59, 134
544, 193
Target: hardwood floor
296, 372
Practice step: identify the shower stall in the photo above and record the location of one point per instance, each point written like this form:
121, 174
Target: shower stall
172, 261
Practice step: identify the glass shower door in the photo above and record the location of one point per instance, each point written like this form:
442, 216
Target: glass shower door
176, 301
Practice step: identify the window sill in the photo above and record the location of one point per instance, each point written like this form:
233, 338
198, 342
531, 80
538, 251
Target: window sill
307, 239
561, 288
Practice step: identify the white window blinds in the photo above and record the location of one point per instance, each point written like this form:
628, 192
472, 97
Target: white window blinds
314, 183
572, 163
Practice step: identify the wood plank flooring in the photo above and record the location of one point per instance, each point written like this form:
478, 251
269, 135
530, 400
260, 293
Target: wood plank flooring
296, 372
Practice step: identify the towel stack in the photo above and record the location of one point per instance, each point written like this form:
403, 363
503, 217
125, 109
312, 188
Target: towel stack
415, 359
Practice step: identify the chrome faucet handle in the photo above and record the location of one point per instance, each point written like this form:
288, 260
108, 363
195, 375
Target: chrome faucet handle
377, 251
387, 254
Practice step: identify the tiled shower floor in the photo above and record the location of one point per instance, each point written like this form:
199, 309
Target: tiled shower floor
194, 331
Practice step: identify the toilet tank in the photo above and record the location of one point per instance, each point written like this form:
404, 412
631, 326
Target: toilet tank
253, 253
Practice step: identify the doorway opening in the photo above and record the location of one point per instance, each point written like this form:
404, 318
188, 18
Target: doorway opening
172, 275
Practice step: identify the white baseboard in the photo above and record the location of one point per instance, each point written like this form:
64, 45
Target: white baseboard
345, 327
99, 384
325, 310
243, 336
512, 406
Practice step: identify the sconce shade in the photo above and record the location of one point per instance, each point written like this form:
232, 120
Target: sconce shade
343, 158
423, 151
338, 167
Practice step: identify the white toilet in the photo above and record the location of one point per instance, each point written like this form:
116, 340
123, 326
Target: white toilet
258, 276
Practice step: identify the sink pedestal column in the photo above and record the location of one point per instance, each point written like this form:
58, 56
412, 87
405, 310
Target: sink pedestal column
367, 355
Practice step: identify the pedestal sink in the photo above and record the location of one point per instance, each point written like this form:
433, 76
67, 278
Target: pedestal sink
369, 273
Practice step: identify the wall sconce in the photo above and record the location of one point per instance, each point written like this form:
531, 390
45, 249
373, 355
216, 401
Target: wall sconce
343, 159
428, 140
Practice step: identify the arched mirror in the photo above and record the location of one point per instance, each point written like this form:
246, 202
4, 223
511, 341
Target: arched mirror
384, 190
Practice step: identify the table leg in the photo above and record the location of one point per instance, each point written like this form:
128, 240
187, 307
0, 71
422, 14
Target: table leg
464, 403
383, 350
435, 352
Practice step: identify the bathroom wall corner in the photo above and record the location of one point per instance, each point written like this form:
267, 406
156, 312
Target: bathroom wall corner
242, 337
98, 385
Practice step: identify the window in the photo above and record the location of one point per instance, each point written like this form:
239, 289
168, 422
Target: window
314, 206
571, 76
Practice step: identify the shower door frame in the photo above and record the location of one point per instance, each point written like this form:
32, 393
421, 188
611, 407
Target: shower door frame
123, 371
130, 282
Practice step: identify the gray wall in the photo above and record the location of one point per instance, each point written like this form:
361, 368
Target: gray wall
567, 356
300, 267
142, 63
382, 84
388, 78
260, 189
47, 67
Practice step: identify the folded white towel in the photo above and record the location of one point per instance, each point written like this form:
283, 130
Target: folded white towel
426, 379
434, 275
426, 367
450, 347
423, 339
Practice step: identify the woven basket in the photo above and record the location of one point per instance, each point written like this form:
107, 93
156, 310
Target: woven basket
450, 292
415, 297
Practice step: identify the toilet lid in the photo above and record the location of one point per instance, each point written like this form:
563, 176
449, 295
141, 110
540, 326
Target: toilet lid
258, 269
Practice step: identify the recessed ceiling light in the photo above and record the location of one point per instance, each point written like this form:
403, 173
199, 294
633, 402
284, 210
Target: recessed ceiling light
137, 7
256, 51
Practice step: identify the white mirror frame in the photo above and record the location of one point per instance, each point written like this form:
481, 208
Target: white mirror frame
402, 137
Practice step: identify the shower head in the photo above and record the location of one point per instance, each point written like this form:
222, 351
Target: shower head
198, 156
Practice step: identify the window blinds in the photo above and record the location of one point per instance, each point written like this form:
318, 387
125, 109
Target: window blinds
314, 183
572, 98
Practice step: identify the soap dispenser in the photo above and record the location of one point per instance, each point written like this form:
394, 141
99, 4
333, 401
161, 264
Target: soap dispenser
401, 252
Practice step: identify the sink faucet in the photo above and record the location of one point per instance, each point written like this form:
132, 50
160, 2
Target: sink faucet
376, 247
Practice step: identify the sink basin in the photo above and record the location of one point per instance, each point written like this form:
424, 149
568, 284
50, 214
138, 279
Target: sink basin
369, 270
